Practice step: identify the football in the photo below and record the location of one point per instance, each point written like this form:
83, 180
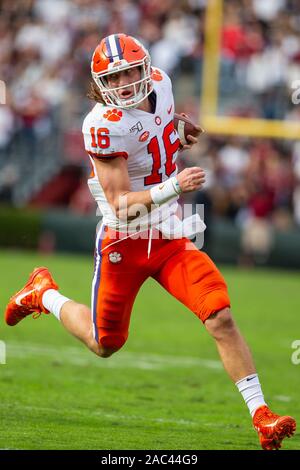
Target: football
185, 126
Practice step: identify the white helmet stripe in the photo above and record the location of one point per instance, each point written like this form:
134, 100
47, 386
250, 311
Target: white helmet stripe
113, 47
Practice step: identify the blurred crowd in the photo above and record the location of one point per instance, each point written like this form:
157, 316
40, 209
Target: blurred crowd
260, 57
253, 182
45, 53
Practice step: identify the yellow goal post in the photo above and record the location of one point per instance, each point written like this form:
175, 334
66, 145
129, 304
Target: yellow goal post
210, 121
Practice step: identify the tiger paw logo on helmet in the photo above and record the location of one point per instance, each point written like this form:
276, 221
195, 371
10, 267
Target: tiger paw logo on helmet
113, 115
156, 75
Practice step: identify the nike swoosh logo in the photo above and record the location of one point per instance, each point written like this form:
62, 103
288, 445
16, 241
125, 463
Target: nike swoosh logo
251, 378
161, 186
272, 424
22, 296
170, 109
258, 428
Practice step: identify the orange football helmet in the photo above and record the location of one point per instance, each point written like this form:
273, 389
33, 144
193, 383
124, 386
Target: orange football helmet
119, 52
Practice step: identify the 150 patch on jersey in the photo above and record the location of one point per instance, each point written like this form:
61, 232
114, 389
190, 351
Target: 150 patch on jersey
138, 127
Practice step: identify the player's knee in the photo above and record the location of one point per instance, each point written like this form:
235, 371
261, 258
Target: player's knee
220, 324
105, 353
102, 352
111, 343
103, 348
214, 301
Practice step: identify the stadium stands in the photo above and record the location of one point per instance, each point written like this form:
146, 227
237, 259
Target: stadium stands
45, 52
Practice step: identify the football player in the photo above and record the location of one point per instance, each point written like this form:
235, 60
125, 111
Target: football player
132, 145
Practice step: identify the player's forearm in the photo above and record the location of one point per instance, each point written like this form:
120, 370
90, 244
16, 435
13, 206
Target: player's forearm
129, 205
133, 204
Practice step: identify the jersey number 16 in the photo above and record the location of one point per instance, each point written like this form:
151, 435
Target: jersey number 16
153, 149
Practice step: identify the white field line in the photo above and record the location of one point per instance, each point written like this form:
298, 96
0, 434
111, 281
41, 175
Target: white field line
68, 412
284, 398
27, 409
82, 357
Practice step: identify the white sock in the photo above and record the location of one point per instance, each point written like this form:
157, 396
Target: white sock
251, 391
53, 301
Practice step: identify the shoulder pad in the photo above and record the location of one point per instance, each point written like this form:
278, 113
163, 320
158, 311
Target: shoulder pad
158, 75
106, 117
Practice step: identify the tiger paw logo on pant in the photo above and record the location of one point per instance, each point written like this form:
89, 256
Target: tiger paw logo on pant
115, 257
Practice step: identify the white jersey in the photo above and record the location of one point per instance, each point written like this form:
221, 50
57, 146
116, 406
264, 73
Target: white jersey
149, 143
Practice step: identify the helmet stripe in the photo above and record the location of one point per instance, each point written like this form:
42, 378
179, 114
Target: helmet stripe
118, 44
113, 48
110, 56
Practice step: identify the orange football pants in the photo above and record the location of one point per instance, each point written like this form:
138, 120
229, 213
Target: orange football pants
121, 267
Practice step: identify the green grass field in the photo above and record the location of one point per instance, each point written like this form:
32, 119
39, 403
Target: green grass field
165, 389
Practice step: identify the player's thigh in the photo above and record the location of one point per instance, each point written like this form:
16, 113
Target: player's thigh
112, 301
193, 278
116, 282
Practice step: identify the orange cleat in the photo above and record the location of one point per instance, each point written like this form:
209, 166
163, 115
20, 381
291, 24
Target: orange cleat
272, 428
29, 299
